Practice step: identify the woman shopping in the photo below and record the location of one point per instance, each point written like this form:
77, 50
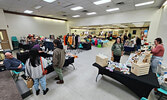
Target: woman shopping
158, 52
117, 50
34, 69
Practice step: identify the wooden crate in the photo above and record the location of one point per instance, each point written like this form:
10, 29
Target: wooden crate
140, 69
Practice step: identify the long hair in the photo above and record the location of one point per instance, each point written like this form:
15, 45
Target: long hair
58, 43
34, 57
116, 40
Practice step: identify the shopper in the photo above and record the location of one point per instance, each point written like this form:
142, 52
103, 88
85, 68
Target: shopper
58, 60
138, 43
125, 37
158, 52
34, 70
117, 50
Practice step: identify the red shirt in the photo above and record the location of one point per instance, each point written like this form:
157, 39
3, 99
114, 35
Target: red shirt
158, 50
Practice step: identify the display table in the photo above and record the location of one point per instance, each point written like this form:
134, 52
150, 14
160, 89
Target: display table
141, 85
8, 87
86, 46
24, 46
25, 55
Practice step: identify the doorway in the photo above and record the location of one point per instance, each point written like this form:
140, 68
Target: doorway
4, 40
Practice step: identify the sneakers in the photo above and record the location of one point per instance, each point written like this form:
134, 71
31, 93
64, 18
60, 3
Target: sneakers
60, 82
37, 92
45, 91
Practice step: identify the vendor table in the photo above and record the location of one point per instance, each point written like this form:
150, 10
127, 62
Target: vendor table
86, 46
140, 85
24, 46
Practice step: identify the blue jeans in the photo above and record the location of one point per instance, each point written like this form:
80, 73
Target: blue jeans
155, 62
138, 47
42, 81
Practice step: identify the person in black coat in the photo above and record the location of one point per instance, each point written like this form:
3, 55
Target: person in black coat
138, 43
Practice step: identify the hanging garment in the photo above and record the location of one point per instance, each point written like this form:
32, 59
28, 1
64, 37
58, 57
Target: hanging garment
70, 40
64, 39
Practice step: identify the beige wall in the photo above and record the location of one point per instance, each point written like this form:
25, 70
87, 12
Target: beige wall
150, 14
23, 25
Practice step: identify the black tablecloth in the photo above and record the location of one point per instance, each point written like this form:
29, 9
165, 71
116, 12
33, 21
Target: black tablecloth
25, 55
140, 85
86, 46
24, 46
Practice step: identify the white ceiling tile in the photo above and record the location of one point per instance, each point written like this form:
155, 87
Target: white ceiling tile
58, 7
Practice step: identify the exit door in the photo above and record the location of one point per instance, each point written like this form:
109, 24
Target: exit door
4, 40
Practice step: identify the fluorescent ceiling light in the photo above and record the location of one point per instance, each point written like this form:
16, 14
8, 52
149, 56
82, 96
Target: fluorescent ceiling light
91, 13
101, 2
145, 3
28, 11
76, 16
37, 7
77, 8
165, 3
49, 1
113, 9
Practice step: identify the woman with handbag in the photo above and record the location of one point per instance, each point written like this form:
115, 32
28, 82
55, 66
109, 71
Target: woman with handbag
35, 69
117, 50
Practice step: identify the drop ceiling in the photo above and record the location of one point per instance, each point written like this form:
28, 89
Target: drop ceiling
61, 8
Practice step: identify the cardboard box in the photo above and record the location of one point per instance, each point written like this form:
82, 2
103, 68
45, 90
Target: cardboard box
140, 69
102, 60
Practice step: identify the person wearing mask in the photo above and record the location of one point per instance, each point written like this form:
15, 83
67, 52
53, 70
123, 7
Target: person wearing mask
117, 50
35, 71
138, 43
158, 52
58, 60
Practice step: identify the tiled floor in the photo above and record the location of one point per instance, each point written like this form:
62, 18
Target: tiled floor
80, 83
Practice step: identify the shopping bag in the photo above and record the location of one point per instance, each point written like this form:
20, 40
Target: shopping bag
43, 70
30, 82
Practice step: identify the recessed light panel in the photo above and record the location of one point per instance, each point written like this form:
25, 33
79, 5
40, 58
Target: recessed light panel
145, 3
77, 8
28, 11
101, 2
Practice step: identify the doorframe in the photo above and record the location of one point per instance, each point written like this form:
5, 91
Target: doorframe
8, 37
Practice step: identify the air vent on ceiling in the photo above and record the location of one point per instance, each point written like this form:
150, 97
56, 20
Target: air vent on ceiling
84, 11
120, 3
68, 5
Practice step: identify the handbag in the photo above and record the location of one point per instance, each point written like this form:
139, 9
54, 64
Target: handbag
30, 81
44, 71
112, 58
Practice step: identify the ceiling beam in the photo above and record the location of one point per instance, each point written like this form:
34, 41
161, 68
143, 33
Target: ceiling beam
32, 15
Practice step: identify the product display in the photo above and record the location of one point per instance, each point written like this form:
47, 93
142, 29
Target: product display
141, 63
102, 60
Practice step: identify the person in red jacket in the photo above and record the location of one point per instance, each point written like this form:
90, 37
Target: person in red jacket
158, 53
